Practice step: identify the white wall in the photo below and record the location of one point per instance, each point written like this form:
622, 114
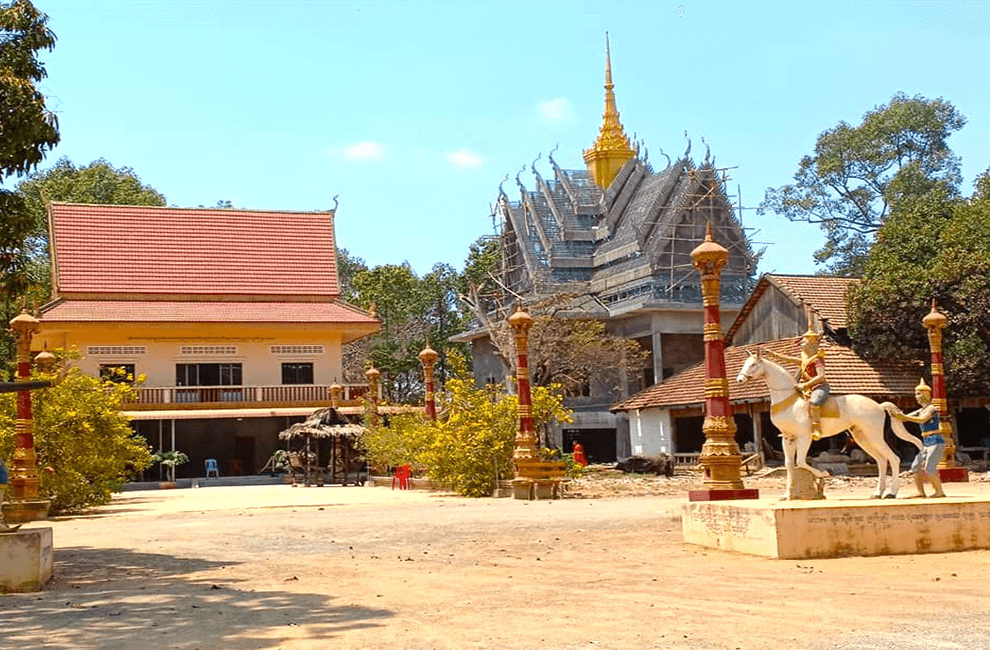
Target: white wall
651, 432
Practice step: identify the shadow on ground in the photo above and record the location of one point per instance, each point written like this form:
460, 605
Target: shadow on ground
117, 598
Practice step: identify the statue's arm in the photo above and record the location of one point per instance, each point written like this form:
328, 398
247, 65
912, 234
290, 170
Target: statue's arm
921, 415
811, 383
780, 357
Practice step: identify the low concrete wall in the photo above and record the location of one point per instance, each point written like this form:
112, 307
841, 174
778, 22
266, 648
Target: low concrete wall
824, 529
26, 560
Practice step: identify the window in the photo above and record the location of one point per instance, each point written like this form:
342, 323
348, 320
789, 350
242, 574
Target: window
122, 373
104, 350
297, 373
207, 374
297, 349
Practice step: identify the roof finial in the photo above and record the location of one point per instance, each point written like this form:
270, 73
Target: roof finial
612, 149
608, 65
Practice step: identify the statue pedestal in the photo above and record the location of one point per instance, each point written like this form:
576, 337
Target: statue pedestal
26, 560
840, 527
22, 512
714, 494
953, 475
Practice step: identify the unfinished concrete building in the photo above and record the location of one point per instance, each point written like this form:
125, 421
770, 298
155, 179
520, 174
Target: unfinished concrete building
616, 239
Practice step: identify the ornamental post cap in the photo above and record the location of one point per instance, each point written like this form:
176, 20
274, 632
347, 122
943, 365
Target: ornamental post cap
709, 250
372, 373
934, 319
922, 387
428, 355
44, 360
520, 318
24, 322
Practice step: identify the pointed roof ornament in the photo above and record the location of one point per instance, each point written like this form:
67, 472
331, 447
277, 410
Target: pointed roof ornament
612, 148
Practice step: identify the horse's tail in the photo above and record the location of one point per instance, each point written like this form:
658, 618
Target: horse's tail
898, 427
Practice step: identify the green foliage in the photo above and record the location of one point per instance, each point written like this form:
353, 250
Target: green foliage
413, 311
81, 435
171, 460
470, 446
27, 131
27, 128
931, 247
858, 173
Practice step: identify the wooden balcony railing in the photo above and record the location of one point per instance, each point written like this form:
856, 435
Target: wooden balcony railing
249, 396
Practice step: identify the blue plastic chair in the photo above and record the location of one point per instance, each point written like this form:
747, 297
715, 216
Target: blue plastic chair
211, 466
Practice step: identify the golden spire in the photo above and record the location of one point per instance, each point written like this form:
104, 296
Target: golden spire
612, 149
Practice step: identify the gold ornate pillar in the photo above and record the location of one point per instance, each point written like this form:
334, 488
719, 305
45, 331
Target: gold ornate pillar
428, 357
371, 415
720, 455
948, 470
336, 394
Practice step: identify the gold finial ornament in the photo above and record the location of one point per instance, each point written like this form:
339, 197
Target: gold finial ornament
612, 148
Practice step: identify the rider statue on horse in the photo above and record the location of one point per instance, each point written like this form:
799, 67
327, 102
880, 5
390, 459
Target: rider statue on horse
811, 380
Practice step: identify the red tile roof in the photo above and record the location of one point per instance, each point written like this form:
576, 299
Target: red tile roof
155, 250
147, 311
847, 372
824, 294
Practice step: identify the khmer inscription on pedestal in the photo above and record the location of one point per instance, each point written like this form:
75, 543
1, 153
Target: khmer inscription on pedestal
824, 529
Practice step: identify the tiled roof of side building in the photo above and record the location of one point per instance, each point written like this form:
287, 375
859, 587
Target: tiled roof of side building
847, 372
149, 311
157, 250
825, 294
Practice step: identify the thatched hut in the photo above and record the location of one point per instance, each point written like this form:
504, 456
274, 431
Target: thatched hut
341, 461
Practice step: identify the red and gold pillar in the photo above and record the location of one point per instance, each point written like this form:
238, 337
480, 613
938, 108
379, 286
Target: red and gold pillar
948, 470
26, 504
720, 455
428, 357
371, 416
525, 457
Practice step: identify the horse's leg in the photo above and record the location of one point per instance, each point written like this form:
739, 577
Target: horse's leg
803, 443
870, 445
788, 445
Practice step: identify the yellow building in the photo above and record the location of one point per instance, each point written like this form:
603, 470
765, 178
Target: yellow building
233, 317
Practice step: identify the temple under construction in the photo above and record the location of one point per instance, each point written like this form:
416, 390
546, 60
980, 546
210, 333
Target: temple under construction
616, 238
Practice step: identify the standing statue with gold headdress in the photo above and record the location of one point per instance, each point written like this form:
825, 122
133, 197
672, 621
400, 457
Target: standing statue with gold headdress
811, 380
925, 465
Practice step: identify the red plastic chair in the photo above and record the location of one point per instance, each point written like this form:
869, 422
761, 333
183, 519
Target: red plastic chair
402, 475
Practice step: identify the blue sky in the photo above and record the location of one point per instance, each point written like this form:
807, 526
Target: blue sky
413, 112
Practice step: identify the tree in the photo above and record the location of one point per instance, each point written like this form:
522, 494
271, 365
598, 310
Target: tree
935, 246
858, 173
414, 311
571, 352
27, 131
82, 436
470, 447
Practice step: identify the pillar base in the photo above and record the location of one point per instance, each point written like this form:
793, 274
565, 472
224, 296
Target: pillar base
22, 512
26, 560
714, 494
954, 475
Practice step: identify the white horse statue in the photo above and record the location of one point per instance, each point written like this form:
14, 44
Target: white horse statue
860, 415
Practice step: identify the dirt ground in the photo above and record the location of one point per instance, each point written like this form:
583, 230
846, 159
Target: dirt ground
334, 567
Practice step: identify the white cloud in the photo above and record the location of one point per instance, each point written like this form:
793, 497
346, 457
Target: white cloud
363, 151
555, 110
464, 159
